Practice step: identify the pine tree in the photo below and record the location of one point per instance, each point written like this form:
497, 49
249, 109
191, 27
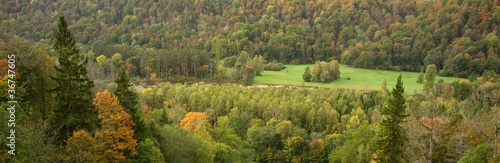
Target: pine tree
129, 101
393, 136
74, 109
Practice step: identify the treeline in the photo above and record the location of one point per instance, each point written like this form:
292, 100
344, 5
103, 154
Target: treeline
459, 37
179, 64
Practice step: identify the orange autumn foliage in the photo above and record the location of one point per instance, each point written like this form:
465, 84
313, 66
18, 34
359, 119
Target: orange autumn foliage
117, 134
113, 143
426, 121
193, 119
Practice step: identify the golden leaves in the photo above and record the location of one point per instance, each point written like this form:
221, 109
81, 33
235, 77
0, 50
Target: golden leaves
193, 119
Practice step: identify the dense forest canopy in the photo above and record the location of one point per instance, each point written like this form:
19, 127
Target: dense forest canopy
70, 109
460, 37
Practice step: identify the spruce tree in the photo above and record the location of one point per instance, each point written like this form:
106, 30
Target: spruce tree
393, 136
74, 109
129, 101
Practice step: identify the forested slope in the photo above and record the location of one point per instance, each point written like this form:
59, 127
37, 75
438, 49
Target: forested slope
459, 36
68, 110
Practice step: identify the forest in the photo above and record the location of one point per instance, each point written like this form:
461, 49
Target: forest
460, 37
171, 81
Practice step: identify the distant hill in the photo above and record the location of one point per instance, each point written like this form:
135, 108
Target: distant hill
459, 36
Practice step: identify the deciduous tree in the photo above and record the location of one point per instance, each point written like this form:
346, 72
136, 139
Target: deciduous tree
430, 77
193, 119
116, 137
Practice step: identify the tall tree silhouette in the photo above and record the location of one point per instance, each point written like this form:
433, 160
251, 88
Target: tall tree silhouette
74, 109
129, 101
393, 136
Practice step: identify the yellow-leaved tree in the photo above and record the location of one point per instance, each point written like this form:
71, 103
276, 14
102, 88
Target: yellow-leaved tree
196, 122
112, 143
81, 147
193, 119
116, 137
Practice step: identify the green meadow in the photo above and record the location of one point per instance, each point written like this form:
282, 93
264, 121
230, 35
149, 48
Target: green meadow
362, 79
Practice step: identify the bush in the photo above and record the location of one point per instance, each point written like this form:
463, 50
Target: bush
307, 75
326, 72
274, 66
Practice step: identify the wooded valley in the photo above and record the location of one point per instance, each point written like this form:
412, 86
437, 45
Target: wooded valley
171, 81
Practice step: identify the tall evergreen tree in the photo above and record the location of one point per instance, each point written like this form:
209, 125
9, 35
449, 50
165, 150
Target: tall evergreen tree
393, 136
129, 101
74, 109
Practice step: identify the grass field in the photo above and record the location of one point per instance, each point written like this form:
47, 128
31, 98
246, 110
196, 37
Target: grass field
364, 79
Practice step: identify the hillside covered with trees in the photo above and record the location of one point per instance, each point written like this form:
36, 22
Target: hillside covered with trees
79, 65
460, 37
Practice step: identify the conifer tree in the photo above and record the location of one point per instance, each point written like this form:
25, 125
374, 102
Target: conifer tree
393, 136
74, 109
129, 101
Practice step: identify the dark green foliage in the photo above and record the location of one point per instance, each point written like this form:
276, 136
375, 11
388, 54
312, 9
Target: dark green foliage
37, 146
34, 71
265, 142
479, 154
392, 135
307, 75
74, 109
462, 89
130, 102
148, 152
